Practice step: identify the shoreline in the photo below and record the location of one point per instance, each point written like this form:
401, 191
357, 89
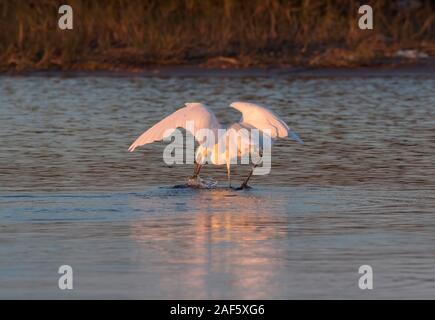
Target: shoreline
419, 67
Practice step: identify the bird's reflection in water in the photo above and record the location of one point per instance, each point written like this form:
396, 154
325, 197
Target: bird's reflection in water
212, 243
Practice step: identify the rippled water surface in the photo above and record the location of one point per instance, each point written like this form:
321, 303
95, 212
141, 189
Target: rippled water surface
360, 191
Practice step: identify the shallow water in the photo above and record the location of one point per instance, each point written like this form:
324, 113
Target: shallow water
360, 191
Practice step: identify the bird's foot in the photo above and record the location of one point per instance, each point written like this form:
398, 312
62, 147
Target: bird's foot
195, 179
197, 182
242, 187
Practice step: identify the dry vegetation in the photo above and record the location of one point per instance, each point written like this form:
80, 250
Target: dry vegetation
130, 34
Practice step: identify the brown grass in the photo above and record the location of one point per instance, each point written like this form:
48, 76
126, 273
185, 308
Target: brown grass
132, 34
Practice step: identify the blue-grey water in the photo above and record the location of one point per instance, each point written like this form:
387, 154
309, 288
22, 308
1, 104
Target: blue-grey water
361, 191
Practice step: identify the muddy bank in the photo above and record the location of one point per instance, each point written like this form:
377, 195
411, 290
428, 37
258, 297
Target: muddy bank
330, 59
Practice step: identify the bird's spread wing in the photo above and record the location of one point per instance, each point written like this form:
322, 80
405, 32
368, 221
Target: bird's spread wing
196, 113
263, 118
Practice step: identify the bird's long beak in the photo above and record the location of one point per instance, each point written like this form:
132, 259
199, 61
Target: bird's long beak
295, 137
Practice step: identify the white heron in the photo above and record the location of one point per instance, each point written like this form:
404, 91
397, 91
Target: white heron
253, 117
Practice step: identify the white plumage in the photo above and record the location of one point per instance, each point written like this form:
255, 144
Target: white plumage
262, 118
201, 116
235, 142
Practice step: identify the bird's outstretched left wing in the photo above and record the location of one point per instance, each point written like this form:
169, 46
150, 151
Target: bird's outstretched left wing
263, 118
200, 116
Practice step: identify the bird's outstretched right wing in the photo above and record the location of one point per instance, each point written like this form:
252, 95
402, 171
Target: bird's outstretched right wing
200, 116
262, 118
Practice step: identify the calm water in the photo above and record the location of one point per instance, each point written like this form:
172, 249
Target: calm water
360, 191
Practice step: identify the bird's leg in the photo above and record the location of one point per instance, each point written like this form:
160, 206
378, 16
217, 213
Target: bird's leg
245, 183
229, 174
196, 170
